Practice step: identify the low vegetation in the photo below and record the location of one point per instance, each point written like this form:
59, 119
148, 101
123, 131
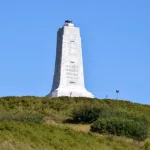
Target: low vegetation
122, 127
44, 123
107, 120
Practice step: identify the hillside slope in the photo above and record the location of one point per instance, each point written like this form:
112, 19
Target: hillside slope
28, 123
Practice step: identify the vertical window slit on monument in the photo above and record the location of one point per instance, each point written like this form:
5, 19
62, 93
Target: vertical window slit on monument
72, 82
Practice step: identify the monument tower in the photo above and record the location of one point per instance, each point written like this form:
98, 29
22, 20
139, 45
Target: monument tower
68, 76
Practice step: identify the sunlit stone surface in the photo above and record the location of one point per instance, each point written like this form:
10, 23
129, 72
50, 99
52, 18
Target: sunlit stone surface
68, 76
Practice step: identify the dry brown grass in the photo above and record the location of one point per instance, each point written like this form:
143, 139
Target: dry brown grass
79, 127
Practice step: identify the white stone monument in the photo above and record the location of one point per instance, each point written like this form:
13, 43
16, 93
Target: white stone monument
68, 76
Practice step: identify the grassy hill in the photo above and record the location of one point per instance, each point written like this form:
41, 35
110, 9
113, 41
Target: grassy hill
42, 123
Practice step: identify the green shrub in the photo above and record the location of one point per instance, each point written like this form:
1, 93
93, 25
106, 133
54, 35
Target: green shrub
87, 114
22, 116
147, 146
135, 129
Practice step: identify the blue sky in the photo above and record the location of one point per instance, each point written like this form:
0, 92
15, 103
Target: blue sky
115, 40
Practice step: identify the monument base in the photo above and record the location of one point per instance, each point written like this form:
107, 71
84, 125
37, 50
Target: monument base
71, 93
